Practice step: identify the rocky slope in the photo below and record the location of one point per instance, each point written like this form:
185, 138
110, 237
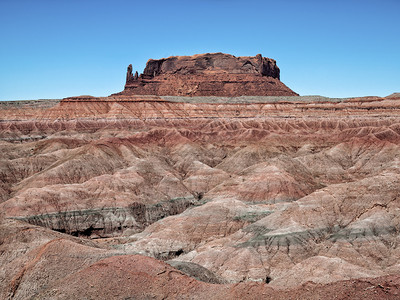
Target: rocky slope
267, 196
210, 74
38, 263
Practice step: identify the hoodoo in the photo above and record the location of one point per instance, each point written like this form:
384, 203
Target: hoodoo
210, 74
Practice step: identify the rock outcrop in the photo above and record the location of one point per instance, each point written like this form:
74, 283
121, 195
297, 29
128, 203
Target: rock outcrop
129, 75
211, 74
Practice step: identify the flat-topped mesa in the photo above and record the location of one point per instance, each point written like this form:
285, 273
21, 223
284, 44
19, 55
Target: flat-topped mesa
211, 63
210, 74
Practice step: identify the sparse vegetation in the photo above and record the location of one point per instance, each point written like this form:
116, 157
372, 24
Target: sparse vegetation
252, 217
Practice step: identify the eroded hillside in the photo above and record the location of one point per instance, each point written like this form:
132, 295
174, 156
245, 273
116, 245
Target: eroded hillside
272, 193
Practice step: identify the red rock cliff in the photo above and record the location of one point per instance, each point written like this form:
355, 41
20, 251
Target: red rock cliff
211, 74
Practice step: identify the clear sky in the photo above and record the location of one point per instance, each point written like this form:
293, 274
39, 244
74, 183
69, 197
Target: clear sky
335, 48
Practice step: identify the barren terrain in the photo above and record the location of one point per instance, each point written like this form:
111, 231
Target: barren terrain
147, 196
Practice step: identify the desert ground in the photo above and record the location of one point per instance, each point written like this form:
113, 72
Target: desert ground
142, 197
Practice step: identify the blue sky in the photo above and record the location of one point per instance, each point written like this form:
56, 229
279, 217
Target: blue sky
55, 49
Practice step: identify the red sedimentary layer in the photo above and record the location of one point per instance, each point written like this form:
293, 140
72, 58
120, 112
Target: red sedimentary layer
301, 196
211, 74
155, 107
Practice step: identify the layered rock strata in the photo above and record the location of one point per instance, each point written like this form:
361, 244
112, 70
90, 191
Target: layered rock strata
211, 74
269, 194
39, 263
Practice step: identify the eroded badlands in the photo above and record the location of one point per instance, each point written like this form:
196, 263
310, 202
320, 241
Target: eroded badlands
135, 196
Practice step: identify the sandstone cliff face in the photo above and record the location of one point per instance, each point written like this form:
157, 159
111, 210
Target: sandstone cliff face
212, 63
211, 74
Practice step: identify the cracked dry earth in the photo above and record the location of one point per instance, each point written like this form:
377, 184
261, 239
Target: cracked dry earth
142, 198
